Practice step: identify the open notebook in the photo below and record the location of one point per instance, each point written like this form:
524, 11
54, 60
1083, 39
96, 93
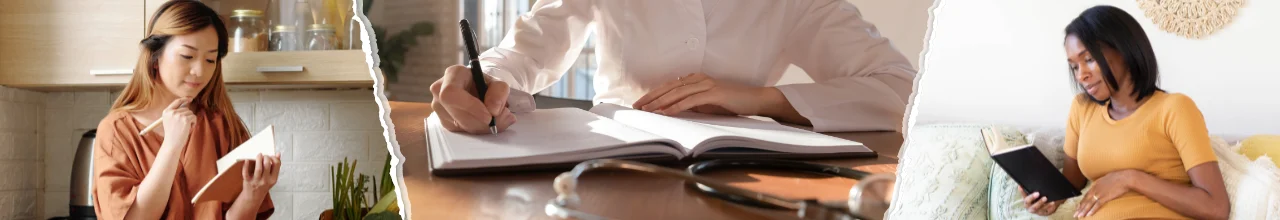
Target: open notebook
226, 186
559, 138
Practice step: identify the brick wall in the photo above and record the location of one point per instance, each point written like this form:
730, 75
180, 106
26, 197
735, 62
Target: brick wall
20, 141
315, 129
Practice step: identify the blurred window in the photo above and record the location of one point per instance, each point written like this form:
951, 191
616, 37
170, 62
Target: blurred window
493, 18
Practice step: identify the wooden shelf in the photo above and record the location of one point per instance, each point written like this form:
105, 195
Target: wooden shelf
336, 67
45, 43
276, 69
90, 45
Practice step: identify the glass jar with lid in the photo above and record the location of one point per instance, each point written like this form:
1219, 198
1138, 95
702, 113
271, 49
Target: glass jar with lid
321, 37
284, 38
248, 31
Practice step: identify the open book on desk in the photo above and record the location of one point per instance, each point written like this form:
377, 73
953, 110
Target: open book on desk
562, 137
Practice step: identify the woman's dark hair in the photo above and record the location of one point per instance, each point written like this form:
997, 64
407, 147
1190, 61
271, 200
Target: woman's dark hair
1112, 27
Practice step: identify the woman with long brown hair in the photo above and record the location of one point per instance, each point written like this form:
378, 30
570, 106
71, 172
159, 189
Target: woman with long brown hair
178, 80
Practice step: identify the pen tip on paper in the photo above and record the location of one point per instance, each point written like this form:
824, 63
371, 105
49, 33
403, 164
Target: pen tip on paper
493, 130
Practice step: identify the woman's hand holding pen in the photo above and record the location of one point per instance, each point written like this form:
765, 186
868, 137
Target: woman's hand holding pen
701, 93
178, 121
454, 101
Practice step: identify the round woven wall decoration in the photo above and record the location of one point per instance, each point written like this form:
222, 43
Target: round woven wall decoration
1192, 19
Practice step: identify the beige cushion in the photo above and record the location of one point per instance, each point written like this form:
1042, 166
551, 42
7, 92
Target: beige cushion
1261, 145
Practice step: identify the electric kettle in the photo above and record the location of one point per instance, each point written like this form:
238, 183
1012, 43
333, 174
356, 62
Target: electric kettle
82, 179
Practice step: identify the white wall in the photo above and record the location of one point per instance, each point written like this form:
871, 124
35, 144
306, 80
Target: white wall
20, 160
904, 22
1002, 61
315, 129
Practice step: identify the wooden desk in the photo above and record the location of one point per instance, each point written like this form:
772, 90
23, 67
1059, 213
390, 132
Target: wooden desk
614, 194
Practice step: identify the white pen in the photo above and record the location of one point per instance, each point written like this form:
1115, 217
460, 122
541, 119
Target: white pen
156, 123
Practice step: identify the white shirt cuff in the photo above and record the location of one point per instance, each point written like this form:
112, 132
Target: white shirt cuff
517, 100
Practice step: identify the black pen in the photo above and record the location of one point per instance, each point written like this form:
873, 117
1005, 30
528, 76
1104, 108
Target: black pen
477, 76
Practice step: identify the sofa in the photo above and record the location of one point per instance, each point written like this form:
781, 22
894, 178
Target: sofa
945, 172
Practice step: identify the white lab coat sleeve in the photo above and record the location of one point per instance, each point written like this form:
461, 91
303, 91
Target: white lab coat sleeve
861, 82
540, 46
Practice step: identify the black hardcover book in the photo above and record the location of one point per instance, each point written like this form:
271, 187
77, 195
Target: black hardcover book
1029, 168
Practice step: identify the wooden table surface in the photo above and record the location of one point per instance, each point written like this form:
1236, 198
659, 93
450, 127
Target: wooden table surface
613, 194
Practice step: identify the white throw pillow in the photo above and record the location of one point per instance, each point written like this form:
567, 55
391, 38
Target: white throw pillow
1253, 186
944, 173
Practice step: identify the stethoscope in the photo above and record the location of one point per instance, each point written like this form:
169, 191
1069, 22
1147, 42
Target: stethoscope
867, 200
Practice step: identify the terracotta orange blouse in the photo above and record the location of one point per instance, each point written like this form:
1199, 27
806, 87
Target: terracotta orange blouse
122, 159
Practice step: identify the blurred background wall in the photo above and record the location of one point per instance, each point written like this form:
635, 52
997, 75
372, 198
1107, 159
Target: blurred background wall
903, 21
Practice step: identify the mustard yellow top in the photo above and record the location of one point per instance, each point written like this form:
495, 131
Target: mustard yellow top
1164, 137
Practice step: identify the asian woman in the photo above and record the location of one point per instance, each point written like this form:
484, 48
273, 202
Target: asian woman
178, 80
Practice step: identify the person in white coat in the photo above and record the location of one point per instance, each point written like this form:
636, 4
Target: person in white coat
708, 56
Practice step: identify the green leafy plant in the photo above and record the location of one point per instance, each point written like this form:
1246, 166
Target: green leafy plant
392, 47
387, 206
349, 202
387, 185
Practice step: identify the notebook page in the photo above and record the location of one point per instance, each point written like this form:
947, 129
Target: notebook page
229, 180
733, 130
689, 134
767, 131
262, 143
537, 135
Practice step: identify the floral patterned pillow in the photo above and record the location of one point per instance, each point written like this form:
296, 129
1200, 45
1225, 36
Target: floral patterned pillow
1006, 200
945, 173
